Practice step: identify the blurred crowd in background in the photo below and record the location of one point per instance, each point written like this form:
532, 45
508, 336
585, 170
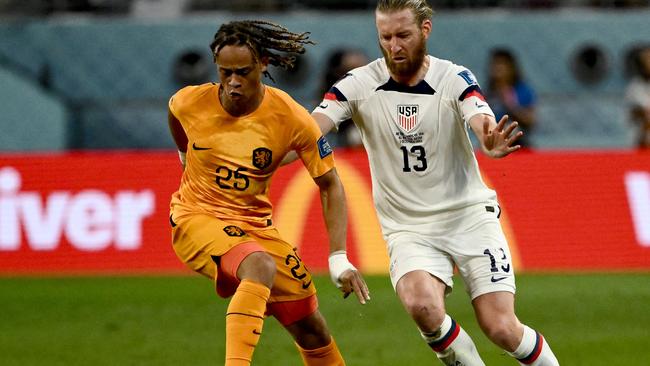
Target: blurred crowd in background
96, 74
125, 6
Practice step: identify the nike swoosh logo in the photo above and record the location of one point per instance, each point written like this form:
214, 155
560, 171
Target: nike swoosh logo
199, 148
497, 279
480, 105
306, 285
324, 105
257, 332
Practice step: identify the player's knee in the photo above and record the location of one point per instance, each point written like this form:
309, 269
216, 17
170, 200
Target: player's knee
426, 314
267, 268
311, 332
258, 267
503, 331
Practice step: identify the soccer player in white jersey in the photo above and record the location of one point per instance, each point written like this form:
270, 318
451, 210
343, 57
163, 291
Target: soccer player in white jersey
414, 112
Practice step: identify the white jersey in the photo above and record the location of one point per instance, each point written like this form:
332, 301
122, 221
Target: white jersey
421, 158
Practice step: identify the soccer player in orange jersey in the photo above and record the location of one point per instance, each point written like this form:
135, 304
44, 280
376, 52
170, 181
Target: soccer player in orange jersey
231, 137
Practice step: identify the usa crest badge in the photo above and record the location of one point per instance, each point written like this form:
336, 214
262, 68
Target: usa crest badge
407, 116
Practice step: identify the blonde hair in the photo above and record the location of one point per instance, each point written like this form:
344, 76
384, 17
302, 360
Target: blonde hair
421, 9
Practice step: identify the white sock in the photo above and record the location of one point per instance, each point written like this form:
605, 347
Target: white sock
533, 350
452, 345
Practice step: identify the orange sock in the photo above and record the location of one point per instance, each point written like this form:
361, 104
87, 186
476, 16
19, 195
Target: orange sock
244, 321
324, 356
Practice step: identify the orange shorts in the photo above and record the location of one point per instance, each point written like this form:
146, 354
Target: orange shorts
201, 240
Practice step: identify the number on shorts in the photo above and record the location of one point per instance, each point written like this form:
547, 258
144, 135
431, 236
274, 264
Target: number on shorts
296, 267
297, 263
493, 263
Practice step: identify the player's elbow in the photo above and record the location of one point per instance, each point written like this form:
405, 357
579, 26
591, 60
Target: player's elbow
331, 189
328, 181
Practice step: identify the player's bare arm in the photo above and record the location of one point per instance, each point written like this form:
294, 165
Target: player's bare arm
343, 273
324, 123
178, 134
497, 139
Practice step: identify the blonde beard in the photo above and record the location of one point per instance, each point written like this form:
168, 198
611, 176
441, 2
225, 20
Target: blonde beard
411, 67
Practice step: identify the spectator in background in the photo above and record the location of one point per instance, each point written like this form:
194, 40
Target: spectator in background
508, 94
638, 98
339, 63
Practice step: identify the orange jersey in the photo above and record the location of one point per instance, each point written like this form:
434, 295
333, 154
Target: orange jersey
230, 160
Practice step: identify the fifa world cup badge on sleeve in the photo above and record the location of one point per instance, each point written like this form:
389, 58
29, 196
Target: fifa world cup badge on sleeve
324, 147
469, 78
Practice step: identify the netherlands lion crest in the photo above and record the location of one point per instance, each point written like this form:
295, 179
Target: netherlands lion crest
262, 157
233, 230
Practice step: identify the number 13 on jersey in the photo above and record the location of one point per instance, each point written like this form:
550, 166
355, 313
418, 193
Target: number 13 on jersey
415, 158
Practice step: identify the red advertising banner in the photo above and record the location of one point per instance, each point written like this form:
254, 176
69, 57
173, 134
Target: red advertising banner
89, 213
576, 210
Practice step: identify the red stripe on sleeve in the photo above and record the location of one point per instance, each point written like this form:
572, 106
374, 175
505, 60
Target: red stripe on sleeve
475, 93
330, 96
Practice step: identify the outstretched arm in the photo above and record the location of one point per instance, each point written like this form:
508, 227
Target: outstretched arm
497, 140
178, 134
343, 273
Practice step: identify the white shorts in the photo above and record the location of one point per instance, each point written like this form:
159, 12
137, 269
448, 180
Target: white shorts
471, 239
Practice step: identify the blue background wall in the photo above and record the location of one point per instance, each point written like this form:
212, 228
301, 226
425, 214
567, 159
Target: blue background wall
114, 76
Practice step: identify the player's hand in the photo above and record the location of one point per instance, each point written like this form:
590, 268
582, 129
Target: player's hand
346, 277
499, 142
352, 281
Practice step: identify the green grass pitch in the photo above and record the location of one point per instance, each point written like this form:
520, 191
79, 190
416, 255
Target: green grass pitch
589, 319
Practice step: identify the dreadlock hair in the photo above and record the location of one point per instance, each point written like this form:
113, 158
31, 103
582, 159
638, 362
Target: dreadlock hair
421, 9
262, 38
